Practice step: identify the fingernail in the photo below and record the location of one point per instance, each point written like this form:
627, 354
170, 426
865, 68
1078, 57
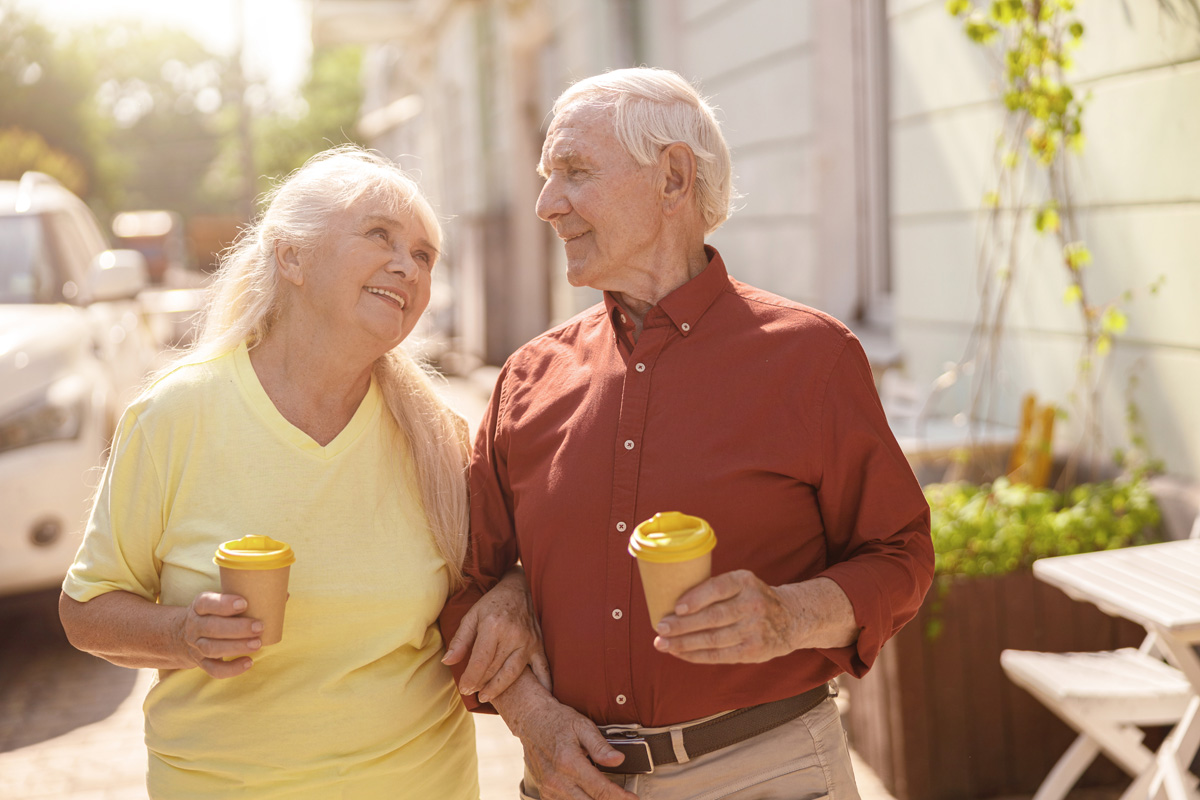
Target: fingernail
255, 644
483, 698
247, 664
466, 690
447, 656
257, 627
239, 605
663, 628
681, 608
660, 644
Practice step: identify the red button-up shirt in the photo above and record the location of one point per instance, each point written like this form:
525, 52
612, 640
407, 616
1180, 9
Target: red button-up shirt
751, 411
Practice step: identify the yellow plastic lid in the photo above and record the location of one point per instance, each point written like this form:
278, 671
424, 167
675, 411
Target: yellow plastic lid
254, 552
670, 536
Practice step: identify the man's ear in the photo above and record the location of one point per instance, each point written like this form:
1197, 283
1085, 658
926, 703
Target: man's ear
678, 164
287, 261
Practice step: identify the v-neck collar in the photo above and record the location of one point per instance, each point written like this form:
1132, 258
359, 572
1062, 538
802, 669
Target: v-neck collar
260, 401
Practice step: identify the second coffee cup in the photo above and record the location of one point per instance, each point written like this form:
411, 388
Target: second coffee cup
257, 568
674, 553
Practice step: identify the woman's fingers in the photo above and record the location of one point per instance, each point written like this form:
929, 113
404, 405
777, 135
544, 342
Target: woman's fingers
219, 668
464, 637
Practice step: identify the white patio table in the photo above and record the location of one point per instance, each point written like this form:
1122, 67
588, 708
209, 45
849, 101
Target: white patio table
1157, 586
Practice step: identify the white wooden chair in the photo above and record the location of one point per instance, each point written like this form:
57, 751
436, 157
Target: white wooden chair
1105, 696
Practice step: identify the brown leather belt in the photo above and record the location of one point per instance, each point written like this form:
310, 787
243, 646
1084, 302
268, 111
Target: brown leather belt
644, 751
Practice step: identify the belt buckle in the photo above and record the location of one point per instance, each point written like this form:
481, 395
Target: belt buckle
636, 750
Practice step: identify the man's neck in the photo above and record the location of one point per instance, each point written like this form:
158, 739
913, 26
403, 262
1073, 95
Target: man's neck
669, 275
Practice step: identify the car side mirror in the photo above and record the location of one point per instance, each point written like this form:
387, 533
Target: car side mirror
117, 275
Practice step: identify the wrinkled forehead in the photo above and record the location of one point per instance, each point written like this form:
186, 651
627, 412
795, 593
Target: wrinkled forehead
579, 130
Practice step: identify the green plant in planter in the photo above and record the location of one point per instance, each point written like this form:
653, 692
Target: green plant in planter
1002, 527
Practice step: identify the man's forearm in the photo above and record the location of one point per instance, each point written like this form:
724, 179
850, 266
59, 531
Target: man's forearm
822, 615
524, 697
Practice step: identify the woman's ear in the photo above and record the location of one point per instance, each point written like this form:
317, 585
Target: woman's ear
678, 164
287, 261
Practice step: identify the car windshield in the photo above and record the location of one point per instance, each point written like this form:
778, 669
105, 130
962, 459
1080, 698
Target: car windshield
25, 270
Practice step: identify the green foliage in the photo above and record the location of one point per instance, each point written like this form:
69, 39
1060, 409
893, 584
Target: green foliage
44, 90
329, 108
1002, 527
22, 151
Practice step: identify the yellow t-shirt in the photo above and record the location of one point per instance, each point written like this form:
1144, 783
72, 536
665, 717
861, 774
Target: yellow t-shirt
354, 702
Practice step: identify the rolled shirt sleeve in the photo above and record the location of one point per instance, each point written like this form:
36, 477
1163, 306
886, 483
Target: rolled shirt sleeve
875, 515
118, 552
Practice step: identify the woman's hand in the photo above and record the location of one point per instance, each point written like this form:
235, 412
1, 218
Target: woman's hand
211, 631
502, 635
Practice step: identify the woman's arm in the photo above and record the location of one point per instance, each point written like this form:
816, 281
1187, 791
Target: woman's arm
503, 636
131, 631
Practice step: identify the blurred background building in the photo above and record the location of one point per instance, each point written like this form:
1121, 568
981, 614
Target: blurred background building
862, 134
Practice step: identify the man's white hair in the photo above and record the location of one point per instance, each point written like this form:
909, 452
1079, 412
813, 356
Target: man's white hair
652, 108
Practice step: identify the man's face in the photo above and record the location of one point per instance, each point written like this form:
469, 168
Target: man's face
603, 205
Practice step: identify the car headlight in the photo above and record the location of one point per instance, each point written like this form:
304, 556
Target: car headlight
59, 414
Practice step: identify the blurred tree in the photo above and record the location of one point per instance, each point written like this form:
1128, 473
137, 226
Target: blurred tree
22, 151
163, 98
44, 90
325, 114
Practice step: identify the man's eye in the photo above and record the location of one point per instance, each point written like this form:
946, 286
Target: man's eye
378, 233
423, 257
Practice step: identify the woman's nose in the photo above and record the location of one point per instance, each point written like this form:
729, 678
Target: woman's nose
403, 265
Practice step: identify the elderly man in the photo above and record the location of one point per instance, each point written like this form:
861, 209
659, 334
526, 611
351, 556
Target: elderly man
685, 390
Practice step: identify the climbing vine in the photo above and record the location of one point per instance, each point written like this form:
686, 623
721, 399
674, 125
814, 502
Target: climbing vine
1032, 43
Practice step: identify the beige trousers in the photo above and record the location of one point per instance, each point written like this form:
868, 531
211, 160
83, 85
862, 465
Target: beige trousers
804, 759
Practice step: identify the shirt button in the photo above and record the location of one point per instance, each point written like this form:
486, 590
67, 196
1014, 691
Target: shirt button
629, 444
617, 614
623, 318
621, 527
620, 699
685, 327
640, 367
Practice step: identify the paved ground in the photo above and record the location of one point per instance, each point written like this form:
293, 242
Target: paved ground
71, 724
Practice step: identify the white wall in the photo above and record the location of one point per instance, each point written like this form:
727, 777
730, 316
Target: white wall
1138, 193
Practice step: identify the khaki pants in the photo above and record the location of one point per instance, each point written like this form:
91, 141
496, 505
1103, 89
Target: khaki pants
804, 759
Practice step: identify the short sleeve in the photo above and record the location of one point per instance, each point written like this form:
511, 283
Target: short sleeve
126, 523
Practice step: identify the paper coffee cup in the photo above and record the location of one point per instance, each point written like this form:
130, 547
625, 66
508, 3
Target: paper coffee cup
674, 553
257, 568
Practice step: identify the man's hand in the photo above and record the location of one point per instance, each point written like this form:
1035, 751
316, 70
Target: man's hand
210, 631
736, 618
502, 636
558, 742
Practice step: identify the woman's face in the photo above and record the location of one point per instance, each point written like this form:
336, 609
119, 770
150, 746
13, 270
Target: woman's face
368, 279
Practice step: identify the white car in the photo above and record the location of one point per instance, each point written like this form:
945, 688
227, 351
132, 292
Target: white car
74, 349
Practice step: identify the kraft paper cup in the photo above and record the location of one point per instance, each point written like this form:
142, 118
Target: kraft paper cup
674, 553
257, 568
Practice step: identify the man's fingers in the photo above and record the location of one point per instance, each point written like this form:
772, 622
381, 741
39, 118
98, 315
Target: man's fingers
598, 749
714, 590
221, 605
463, 638
719, 615
711, 639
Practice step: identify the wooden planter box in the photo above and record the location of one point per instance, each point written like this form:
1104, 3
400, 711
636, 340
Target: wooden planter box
939, 720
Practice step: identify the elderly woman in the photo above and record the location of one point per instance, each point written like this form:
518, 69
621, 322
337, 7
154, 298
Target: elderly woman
297, 416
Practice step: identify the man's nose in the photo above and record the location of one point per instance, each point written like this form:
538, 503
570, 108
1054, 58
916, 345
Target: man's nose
551, 203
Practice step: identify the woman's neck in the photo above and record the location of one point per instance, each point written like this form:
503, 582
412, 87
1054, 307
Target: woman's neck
315, 388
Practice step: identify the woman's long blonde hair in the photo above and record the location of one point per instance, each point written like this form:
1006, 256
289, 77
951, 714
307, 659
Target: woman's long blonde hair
244, 303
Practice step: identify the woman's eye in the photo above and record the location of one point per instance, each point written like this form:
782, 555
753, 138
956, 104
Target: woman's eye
423, 257
378, 233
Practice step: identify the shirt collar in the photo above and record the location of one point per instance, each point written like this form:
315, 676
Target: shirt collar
683, 307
